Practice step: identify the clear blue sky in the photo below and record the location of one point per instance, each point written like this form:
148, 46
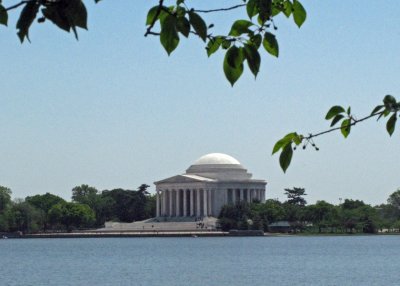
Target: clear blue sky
113, 110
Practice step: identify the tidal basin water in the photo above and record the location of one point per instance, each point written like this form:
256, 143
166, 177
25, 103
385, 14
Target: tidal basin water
336, 260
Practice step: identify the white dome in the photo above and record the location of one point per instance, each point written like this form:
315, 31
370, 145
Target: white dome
216, 159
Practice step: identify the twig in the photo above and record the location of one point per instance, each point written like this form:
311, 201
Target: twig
220, 9
17, 5
148, 31
341, 127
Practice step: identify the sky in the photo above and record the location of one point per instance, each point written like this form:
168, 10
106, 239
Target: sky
112, 110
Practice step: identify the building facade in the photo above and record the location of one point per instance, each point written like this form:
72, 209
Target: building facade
212, 181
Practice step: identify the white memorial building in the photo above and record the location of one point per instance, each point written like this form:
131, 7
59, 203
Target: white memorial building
212, 181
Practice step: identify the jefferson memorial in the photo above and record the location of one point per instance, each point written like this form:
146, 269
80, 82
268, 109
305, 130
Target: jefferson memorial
212, 181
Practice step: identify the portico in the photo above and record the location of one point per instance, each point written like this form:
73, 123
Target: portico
211, 182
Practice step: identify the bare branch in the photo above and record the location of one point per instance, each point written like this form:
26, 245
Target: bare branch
220, 9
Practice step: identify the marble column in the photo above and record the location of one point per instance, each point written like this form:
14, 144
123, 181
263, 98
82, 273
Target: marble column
170, 195
164, 202
198, 200
234, 196
209, 202
248, 195
184, 203
241, 197
205, 212
158, 203
177, 206
191, 202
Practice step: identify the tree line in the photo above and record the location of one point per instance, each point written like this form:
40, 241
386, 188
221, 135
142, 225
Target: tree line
89, 208
349, 216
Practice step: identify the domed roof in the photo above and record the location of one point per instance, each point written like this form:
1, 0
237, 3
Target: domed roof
216, 159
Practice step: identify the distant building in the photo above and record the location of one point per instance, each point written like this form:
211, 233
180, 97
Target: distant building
212, 181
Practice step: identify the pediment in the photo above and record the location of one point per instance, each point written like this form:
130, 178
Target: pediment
185, 179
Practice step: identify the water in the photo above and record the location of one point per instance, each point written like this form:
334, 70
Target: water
338, 260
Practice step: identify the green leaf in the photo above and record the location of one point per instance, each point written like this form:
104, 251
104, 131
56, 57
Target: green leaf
3, 16
391, 124
334, 111
76, 14
385, 113
233, 64
299, 13
226, 44
178, 2
252, 8
169, 36
57, 16
240, 27
67, 15
265, 10
151, 14
198, 25
213, 45
275, 11
183, 26
336, 119
288, 8
345, 127
389, 101
180, 11
288, 138
286, 157
28, 15
377, 109
253, 58
271, 44
256, 40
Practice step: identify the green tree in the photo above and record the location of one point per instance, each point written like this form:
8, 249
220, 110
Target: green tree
295, 196
43, 203
72, 215
85, 194
394, 199
22, 216
321, 214
269, 212
349, 204
5, 198
128, 205
234, 216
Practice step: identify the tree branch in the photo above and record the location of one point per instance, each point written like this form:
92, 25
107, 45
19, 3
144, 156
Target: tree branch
17, 5
220, 9
355, 121
148, 31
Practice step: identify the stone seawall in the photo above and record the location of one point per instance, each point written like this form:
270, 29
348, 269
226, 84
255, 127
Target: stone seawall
125, 234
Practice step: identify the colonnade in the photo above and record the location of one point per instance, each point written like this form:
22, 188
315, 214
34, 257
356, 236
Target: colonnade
189, 202
248, 195
199, 202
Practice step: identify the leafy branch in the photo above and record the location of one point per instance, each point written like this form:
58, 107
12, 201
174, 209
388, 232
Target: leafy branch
241, 44
337, 114
65, 14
